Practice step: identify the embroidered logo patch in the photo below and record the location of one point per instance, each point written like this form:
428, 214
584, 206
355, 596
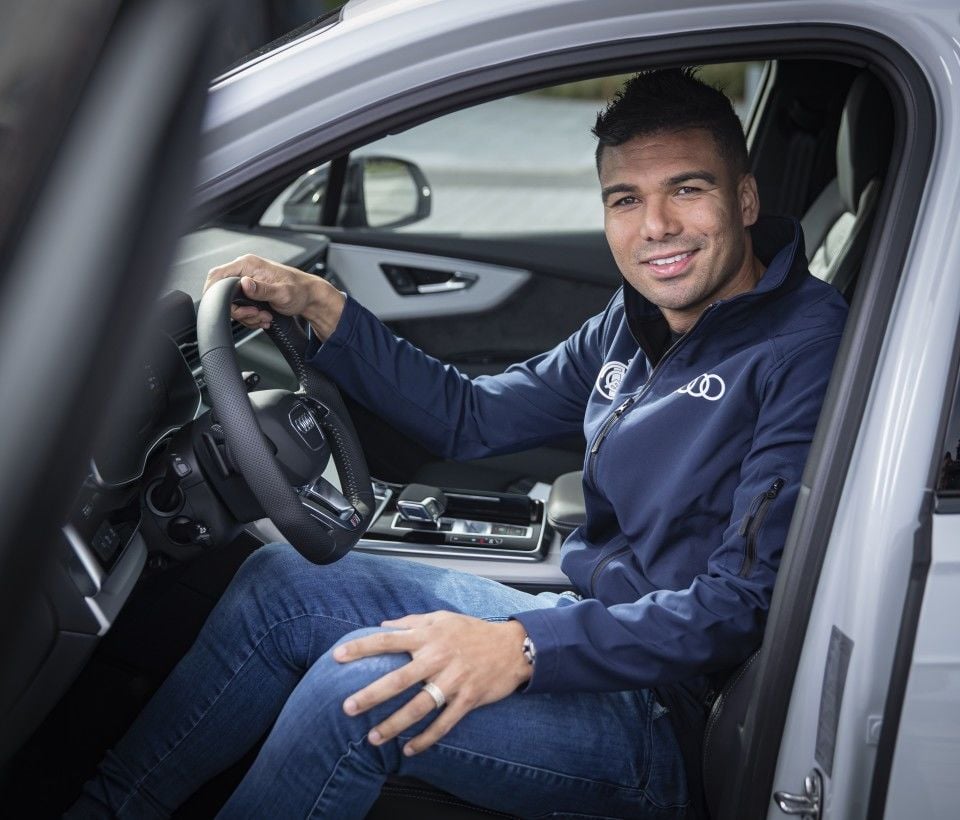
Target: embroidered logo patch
608, 382
708, 386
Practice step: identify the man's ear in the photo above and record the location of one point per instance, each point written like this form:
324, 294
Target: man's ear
749, 199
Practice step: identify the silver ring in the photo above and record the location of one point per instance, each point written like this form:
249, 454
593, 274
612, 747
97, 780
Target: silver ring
434, 691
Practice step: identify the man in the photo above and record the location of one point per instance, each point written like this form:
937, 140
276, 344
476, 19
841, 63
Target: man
698, 389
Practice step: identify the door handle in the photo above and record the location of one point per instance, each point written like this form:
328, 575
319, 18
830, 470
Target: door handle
806, 805
414, 281
457, 281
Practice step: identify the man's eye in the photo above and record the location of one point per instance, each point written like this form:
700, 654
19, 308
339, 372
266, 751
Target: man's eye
625, 200
686, 190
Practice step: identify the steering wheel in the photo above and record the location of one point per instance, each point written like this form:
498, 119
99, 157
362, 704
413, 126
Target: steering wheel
281, 441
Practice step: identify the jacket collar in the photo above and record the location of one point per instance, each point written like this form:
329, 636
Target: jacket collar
777, 242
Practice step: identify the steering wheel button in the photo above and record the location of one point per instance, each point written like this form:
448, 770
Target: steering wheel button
180, 466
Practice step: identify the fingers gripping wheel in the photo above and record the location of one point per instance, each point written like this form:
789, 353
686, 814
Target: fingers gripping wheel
321, 537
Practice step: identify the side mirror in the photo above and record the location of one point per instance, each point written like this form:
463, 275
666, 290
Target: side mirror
378, 192
383, 192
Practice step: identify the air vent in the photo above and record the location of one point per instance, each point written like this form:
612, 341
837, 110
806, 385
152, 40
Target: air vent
188, 343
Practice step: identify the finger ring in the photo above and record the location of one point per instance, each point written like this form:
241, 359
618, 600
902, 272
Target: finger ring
434, 691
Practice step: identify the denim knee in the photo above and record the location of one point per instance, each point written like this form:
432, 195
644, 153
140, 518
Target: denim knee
363, 671
345, 679
271, 561
268, 577
331, 682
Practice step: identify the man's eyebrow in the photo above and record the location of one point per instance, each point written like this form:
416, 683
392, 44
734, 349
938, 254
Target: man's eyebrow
619, 188
676, 179
686, 176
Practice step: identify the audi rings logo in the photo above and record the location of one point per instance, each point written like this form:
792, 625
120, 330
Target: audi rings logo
708, 386
304, 423
608, 382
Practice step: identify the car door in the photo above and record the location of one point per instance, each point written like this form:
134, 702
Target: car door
96, 177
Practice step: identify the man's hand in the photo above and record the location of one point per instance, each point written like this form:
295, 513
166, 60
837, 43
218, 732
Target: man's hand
288, 291
472, 661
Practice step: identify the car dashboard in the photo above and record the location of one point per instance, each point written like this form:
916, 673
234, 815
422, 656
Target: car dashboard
159, 490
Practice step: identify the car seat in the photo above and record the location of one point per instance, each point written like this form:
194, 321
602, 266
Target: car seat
837, 225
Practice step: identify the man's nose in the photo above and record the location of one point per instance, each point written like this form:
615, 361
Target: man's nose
659, 220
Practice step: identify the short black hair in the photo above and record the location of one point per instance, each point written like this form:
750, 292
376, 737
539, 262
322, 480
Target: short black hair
667, 100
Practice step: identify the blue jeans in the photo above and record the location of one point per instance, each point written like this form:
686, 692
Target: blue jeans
262, 666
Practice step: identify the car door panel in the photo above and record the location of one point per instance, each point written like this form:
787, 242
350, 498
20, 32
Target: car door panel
566, 279
580, 255
362, 271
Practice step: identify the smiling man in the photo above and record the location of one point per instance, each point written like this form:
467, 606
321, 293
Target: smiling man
698, 390
692, 249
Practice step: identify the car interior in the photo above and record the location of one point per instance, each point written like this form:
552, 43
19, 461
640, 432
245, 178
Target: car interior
164, 519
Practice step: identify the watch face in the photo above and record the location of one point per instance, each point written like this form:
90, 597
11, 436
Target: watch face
529, 650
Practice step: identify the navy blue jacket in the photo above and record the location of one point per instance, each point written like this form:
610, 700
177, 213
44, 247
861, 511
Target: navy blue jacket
693, 465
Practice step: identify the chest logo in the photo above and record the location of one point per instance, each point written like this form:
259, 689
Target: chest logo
608, 382
709, 386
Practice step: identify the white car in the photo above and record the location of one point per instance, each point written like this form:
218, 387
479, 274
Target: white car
398, 149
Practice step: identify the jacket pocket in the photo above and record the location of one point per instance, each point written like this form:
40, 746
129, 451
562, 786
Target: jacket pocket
602, 565
753, 521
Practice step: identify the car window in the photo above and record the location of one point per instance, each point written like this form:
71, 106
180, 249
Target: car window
519, 164
948, 478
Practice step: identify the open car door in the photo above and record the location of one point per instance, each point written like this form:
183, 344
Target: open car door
100, 112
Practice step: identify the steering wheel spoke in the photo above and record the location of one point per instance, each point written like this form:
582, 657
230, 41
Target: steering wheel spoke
326, 503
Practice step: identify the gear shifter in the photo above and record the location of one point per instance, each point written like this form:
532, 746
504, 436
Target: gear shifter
422, 503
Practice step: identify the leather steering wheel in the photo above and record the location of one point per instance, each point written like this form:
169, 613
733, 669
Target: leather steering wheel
284, 467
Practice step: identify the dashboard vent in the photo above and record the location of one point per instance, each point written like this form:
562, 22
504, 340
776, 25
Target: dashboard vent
187, 343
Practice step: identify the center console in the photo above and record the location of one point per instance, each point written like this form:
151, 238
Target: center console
432, 522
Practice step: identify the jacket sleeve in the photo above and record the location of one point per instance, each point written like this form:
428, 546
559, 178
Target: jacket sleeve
668, 636
450, 414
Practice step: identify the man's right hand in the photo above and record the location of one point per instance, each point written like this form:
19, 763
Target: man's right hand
288, 291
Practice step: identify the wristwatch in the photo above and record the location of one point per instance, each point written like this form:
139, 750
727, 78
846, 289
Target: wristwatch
529, 650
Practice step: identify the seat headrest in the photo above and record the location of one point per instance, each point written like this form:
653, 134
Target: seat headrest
866, 133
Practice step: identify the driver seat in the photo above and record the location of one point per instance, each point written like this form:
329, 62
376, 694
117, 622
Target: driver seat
724, 733
404, 797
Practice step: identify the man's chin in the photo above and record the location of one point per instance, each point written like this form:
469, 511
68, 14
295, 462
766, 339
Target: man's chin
675, 300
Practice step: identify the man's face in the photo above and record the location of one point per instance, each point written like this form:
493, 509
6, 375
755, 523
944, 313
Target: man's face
676, 218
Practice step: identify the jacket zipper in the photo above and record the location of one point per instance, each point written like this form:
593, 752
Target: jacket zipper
753, 521
622, 408
602, 565
612, 419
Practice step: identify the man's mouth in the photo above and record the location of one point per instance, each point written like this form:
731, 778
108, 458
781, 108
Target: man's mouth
668, 266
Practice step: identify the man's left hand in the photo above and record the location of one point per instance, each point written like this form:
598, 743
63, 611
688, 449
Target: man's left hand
473, 662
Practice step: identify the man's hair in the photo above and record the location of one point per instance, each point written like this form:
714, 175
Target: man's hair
668, 100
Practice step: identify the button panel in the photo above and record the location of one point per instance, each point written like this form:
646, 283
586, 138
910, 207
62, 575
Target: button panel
474, 540
509, 529
106, 542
